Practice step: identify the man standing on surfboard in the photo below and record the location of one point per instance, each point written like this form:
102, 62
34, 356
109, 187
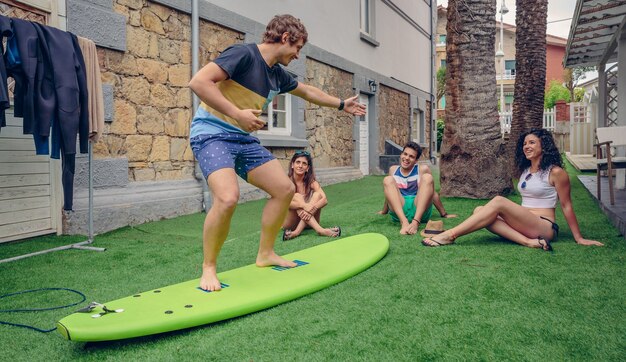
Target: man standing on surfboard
410, 192
234, 90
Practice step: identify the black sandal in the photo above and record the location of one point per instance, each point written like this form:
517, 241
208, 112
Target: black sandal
545, 245
287, 237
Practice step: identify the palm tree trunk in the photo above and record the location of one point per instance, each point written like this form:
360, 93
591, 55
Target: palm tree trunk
530, 59
473, 155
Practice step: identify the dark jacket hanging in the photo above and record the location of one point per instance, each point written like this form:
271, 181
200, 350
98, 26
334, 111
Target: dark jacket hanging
34, 96
51, 93
5, 32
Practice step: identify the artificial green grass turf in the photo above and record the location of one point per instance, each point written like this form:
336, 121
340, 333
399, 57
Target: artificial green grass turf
483, 298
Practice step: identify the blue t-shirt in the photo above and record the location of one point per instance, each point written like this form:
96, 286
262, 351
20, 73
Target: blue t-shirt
251, 84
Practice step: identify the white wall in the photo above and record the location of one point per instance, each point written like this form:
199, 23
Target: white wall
333, 25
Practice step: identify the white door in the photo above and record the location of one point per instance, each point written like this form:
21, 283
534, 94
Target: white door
364, 135
27, 193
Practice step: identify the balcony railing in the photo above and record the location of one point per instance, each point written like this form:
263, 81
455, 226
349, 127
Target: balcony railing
508, 75
549, 117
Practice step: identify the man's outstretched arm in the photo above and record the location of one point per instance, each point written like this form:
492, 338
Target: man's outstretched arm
321, 98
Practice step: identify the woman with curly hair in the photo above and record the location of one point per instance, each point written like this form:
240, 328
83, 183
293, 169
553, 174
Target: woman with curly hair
542, 181
308, 200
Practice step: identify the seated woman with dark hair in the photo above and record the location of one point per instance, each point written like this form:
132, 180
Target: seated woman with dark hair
308, 201
542, 182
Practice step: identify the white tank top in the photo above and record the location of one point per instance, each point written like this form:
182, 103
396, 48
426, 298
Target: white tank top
537, 193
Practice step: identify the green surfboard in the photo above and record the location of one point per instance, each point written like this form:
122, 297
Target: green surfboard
245, 290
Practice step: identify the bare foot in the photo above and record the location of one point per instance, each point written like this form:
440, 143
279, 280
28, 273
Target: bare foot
273, 259
449, 216
413, 226
209, 280
382, 212
404, 230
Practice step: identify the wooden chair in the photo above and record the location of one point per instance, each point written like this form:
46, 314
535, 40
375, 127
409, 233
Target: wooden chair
609, 137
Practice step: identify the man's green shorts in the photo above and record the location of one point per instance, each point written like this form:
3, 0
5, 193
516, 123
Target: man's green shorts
409, 210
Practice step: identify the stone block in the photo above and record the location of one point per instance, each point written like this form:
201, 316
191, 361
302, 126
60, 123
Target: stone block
154, 70
137, 90
160, 149
162, 96
133, 4
175, 29
121, 63
149, 121
188, 156
153, 46
107, 172
177, 122
169, 50
178, 146
179, 75
151, 22
138, 147
111, 29
134, 18
114, 144
163, 12
183, 98
125, 118
185, 53
138, 41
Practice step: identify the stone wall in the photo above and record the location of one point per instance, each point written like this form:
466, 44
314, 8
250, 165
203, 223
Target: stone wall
428, 133
152, 102
329, 132
393, 116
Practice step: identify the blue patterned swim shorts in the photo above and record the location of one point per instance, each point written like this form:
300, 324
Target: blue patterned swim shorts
241, 152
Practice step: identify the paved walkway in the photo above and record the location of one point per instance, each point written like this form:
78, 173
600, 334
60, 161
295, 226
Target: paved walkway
617, 212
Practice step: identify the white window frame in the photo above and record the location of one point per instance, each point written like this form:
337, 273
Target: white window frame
419, 124
269, 115
367, 22
365, 17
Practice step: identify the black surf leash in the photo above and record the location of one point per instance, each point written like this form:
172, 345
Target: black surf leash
38, 309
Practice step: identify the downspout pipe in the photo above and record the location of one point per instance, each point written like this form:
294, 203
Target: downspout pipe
433, 105
195, 66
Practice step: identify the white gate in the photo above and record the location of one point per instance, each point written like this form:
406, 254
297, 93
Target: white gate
364, 135
582, 129
549, 119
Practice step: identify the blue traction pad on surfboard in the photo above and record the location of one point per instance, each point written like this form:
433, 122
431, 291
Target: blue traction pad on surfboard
282, 268
208, 291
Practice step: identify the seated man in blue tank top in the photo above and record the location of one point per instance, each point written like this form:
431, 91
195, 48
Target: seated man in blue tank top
410, 192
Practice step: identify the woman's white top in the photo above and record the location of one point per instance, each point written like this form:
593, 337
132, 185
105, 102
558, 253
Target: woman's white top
537, 193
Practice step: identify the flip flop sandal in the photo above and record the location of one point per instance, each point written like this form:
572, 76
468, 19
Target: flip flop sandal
436, 245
